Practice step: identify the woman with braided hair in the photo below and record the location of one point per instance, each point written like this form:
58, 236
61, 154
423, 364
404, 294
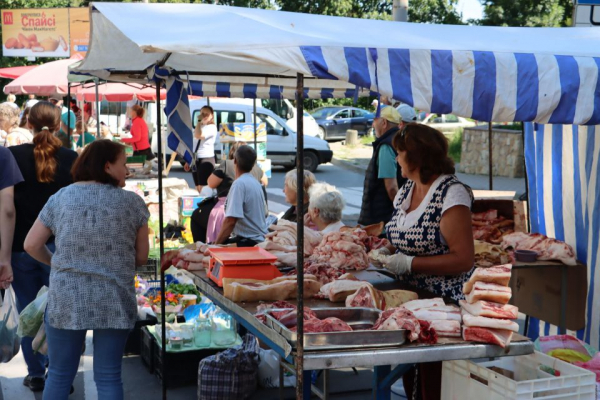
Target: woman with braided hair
46, 168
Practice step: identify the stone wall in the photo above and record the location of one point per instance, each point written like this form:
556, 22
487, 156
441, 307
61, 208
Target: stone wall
507, 152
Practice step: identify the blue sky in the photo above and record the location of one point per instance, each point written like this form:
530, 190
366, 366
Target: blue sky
470, 9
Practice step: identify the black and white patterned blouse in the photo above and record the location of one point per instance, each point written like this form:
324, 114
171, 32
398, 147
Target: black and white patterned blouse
92, 271
424, 238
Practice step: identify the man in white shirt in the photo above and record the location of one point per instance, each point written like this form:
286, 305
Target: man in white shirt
245, 209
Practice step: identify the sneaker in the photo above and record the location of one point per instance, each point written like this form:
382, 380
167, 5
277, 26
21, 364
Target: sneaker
34, 383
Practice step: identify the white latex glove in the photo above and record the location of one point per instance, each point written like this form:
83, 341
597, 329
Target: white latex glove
398, 263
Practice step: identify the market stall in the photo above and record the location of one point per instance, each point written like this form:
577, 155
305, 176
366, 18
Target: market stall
523, 77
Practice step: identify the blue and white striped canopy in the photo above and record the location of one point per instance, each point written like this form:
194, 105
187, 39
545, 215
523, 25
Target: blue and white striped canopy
545, 75
564, 193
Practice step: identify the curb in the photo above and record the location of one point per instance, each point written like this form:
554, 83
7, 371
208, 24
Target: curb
348, 165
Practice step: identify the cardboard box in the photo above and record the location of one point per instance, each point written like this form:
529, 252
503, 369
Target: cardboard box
242, 132
537, 293
509, 209
261, 152
187, 205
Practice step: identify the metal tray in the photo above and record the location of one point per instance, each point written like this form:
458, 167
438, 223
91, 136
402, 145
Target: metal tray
360, 319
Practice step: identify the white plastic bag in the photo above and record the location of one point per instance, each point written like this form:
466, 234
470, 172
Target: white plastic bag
9, 323
32, 316
268, 371
181, 277
39, 344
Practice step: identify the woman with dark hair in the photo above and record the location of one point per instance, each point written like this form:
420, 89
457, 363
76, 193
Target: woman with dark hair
431, 225
205, 135
139, 134
46, 168
99, 241
430, 229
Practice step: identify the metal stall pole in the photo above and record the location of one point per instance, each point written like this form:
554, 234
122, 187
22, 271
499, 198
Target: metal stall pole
69, 113
527, 318
254, 111
491, 168
300, 249
97, 112
162, 246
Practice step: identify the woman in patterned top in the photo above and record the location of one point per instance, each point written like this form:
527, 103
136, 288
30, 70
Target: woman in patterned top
101, 233
431, 225
430, 231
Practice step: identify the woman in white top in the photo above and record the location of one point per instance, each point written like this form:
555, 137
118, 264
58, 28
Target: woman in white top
431, 225
10, 132
325, 208
205, 133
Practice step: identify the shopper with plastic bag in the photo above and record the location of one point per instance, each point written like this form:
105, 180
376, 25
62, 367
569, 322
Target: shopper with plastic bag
92, 273
46, 168
9, 323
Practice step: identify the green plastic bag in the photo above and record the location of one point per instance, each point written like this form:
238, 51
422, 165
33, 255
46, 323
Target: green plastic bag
32, 316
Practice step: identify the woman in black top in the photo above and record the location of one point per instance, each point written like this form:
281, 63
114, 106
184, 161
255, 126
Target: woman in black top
212, 208
46, 168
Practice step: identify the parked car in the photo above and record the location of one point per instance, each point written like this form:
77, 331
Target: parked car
335, 121
286, 110
281, 138
447, 123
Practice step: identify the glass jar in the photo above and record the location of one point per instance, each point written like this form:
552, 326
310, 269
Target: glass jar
224, 330
202, 332
187, 334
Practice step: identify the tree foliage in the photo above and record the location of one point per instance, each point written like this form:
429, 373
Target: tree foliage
534, 13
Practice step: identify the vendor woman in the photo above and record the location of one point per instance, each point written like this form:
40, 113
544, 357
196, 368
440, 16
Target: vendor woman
431, 225
430, 230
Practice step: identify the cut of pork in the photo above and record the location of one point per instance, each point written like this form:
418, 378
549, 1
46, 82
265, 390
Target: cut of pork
485, 335
491, 310
485, 322
397, 319
449, 312
489, 292
499, 275
423, 303
446, 328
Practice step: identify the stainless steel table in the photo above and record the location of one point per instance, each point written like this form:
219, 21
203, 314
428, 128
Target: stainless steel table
380, 358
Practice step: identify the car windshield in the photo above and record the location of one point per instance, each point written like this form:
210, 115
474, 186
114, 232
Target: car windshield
324, 113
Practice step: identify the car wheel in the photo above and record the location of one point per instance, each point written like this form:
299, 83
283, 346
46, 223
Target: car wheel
311, 161
321, 134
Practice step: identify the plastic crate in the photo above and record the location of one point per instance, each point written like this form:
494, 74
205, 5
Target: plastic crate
464, 379
134, 341
147, 350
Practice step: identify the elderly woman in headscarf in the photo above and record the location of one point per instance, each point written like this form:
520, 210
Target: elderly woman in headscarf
325, 207
290, 189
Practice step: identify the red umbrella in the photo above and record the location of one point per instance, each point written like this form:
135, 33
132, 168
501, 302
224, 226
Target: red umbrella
119, 92
44, 80
15, 72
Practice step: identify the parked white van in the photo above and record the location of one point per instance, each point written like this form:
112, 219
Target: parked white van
281, 138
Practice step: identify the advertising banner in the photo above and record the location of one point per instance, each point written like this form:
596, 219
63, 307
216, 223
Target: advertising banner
35, 32
79, 19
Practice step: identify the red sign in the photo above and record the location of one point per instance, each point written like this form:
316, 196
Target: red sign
8, 18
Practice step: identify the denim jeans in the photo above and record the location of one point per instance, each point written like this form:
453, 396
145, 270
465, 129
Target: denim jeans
29, 276
64, 351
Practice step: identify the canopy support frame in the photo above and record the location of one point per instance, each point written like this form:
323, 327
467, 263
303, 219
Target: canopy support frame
300, 235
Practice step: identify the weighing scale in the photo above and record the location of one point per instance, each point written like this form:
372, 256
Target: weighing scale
241, 263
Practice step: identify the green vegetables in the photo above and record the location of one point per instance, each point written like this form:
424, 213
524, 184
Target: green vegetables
180, 288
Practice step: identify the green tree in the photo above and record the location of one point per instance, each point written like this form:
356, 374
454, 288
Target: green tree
534, 13
434, 12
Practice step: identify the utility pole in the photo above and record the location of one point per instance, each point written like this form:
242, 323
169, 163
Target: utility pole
400, 10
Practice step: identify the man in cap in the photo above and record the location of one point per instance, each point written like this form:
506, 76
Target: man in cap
407, 114
383, 177
67, 125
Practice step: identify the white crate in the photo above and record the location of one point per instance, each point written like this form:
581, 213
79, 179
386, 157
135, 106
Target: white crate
463, 379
